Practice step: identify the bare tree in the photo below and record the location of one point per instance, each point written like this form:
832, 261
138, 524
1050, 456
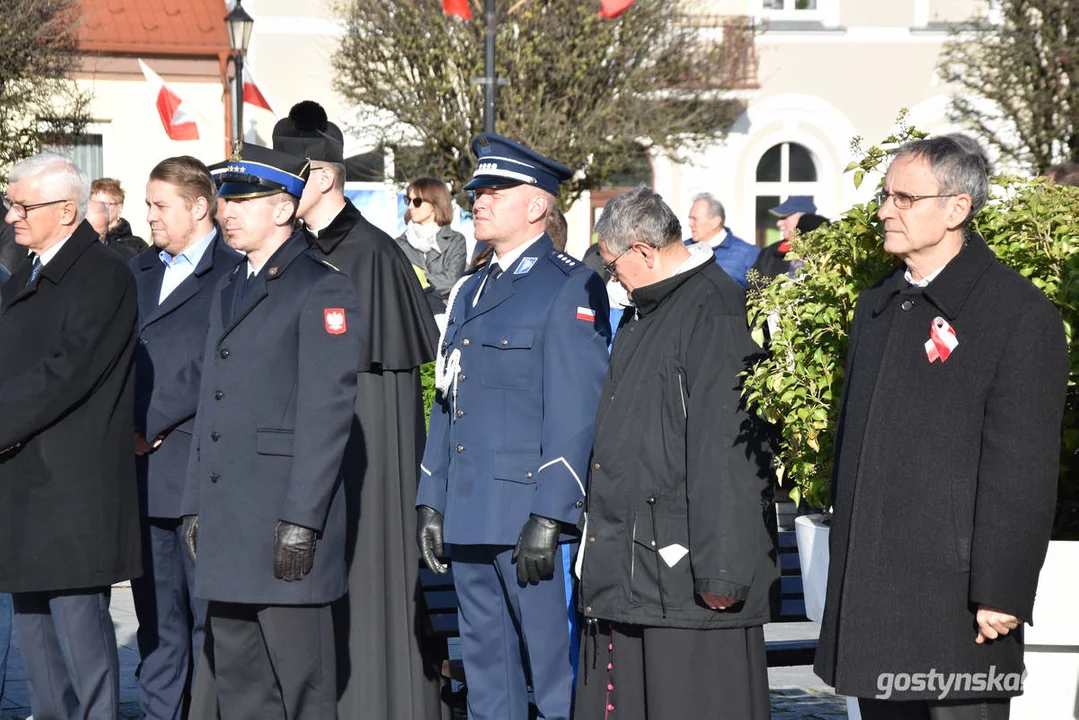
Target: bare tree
592, 93
1018, 80
39, 104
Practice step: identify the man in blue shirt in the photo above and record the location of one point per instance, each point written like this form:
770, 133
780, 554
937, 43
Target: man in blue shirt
706, 223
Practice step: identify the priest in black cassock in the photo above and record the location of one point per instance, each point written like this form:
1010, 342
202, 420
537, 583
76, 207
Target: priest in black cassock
382, 668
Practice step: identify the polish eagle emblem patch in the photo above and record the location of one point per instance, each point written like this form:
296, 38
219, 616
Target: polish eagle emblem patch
335, 320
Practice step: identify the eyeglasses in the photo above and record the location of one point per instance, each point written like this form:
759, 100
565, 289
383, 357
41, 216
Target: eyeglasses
903, 201
22, 210
610, 267
414, 202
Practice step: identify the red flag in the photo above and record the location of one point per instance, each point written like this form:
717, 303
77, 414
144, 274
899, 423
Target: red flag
178, 121
614, 8
252, 94
459, 8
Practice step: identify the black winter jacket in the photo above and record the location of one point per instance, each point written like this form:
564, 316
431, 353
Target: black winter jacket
679, 501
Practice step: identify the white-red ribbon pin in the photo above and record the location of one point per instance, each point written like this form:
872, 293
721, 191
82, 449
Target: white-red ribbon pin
941, 340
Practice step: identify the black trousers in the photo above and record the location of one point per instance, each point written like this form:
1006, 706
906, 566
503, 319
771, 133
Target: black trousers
273, 662
68, 645
995, 709
171, 619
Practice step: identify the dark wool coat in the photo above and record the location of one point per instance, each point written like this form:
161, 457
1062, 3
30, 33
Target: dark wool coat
677, 462
443, 268
945, 476
123, 241
69, 513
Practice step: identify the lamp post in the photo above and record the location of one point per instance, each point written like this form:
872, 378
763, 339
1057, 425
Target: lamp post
239, 25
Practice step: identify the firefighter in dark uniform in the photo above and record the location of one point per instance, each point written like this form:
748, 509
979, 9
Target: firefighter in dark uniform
520, 371
263, 506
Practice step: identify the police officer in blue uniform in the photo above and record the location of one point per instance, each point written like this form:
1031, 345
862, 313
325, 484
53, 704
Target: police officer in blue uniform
521, 366
264, 508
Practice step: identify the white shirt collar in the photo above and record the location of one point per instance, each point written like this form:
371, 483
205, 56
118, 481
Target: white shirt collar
509, 259
49, 254
719, 238
924, 281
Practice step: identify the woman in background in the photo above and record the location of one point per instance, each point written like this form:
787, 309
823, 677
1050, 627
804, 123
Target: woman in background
436, 251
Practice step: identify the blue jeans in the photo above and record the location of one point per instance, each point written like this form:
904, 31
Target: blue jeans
5, 636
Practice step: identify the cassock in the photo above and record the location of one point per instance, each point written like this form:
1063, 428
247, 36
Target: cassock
383, 670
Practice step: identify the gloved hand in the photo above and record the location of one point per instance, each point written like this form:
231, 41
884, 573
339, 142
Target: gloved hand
429, 537
294, 551
535, 549
190, 532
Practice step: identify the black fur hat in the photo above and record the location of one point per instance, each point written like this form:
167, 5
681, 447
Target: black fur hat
307, 132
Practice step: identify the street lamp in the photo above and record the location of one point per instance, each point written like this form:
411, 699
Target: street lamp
239, 25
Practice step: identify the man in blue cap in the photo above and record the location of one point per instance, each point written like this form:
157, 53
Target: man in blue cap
790, 211
520, 370
263, 488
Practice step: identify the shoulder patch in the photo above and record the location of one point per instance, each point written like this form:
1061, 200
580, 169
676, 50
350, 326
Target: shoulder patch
562, 261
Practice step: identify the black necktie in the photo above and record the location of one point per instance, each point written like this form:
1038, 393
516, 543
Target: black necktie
35, 270
492, 274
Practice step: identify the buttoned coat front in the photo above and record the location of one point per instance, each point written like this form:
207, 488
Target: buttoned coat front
274, 415
945, 477
514, 434
68, 501
168, 367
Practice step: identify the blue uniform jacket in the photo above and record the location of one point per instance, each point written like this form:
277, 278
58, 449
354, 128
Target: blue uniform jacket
735, 255
168, 367
513, 436
274, 414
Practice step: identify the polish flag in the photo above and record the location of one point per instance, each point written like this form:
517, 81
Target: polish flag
614, 8
459, 8
252, 94
178, 120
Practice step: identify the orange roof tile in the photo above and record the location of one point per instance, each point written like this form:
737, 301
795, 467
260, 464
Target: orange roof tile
154, 27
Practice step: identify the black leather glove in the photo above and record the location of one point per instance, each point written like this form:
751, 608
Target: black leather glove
294, 551
429, 537
190, 532
535, 549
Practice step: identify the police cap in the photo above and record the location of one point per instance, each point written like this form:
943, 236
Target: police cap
505, 163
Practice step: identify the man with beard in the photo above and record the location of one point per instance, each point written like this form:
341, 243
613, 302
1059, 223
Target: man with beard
382, 668
176, 281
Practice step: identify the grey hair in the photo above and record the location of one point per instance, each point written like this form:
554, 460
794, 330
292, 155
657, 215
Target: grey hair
57, 177
958, 164
639, 215
715, 207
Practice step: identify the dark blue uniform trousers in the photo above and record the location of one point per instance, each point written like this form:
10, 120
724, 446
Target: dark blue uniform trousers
68, 646
171, 621
512, 633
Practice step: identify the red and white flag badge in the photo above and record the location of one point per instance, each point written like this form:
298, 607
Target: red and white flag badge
942, 340
587, 314
335, 320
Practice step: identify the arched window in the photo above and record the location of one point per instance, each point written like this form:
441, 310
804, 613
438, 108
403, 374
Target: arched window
785, 169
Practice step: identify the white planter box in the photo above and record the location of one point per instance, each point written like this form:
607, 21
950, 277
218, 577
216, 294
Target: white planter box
1051, 689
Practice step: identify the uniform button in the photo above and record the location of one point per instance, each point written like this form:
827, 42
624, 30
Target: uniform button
214, 477
592, 539
460, 413
505, 341
461, 377
596, 466
528, 474
218, 395
588, 608
579, 504
224, 354
215, 436
460, 448
907, 305
466, 341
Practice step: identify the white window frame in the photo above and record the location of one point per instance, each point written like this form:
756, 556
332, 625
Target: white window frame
785, 187
789, 13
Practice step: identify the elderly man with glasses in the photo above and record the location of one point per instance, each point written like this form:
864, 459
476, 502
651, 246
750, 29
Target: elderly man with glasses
69, 517
946, 457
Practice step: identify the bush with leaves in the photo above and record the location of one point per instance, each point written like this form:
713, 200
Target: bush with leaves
1030, 225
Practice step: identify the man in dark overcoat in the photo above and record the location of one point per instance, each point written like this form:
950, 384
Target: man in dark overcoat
176, 280
946, 458
678, 564
385, 668
506, 462
69, 519
263, 505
